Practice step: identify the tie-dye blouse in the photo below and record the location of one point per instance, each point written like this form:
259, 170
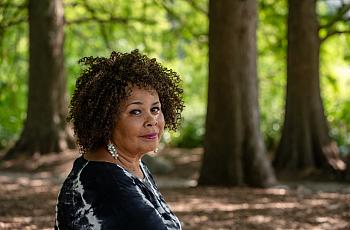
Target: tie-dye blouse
102, 195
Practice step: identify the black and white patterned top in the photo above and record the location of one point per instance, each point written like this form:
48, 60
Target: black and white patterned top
101, 195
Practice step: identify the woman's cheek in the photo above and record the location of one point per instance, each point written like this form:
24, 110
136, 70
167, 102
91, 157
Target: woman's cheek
161, 124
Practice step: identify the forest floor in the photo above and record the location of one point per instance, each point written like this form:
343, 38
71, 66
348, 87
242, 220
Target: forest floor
28, 192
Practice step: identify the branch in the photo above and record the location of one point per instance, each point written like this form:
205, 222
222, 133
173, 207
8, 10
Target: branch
201, 37
346, 19
12, 5
339, 16
109, 20
13, 19
104, 35
170, 11
335, 32
71, 4
197, 7
95, 18
12, 23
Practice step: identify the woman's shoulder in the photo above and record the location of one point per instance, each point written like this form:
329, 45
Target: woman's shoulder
103, 173
149, 174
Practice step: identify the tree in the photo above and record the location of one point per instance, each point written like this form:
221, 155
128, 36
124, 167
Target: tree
45, 129
84, 19
305, 143
234, 147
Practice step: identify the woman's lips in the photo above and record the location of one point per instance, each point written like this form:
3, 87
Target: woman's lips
150, 136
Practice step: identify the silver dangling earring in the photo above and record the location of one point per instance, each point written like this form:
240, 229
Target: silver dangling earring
112, 150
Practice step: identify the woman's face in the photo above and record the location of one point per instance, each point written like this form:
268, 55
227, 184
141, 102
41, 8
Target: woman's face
140, 123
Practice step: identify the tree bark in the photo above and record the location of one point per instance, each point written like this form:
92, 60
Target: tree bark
45, 129
234, 148
305, 144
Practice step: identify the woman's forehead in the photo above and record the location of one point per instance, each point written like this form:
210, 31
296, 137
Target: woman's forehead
139, 93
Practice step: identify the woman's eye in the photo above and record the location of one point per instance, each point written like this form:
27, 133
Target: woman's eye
155, 109
135, 112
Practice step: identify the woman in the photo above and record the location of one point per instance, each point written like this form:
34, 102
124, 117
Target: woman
119, 110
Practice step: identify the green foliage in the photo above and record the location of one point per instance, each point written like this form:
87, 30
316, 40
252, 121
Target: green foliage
272, 45
176, 33
334, 72
13, 88
190, 135
13, 67
335, 83
172, 31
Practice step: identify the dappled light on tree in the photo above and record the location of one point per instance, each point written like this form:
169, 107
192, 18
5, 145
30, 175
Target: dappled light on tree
235, 152
45, 129
305, 144
331, 152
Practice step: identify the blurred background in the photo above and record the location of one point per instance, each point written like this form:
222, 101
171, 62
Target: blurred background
278, 86
176, 32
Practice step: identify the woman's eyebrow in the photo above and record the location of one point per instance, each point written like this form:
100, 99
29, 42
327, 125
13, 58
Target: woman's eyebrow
135, 103
141, 103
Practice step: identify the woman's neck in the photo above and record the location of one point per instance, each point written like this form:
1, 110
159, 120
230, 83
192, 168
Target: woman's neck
132, 164
129, 163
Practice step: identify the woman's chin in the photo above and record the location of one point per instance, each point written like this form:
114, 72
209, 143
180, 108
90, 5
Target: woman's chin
151, 149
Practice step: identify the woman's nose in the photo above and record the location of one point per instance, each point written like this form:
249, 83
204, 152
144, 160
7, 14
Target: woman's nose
151, 120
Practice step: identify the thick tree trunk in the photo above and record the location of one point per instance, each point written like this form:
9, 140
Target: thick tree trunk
305, 144
234, 148
45, 129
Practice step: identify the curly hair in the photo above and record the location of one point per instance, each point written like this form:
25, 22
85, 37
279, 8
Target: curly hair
105, 83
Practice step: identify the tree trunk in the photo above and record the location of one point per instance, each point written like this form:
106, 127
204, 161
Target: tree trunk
45, 129
234, 149
305, 143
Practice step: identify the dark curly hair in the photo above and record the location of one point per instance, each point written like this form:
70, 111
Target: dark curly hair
106, 82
